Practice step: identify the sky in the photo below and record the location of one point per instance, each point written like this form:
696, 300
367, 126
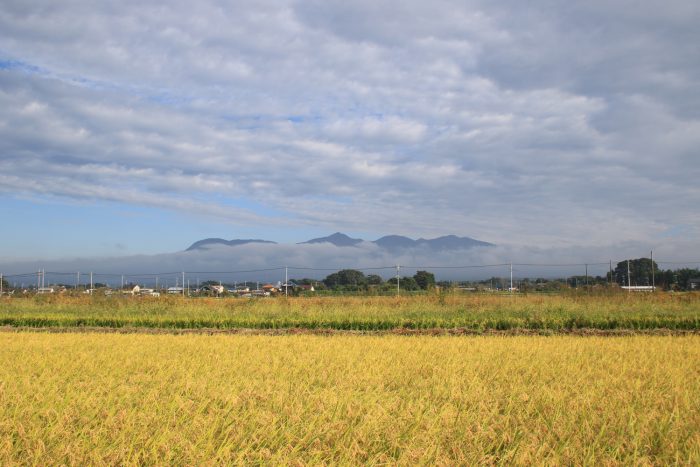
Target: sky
137, 127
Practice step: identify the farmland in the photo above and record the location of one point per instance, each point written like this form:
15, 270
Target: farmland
339, 386
126, 399
473, 312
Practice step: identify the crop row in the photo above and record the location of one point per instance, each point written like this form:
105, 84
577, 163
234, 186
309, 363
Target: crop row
680, 312
632, 323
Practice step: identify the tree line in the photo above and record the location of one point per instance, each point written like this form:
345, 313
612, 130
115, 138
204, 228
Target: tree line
644, 271
635, 272
352, 280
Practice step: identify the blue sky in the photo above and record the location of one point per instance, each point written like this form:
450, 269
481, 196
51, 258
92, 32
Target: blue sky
141, 127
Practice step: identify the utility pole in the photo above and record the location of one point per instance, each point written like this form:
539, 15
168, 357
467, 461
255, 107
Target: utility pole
629, 279
651, 255
586, 276
286, 282
0, 284
610, 280
183, 283
122, 281
511, 277
398, 280
91, 286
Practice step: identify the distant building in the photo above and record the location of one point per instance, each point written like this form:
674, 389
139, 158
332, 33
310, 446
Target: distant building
148, 292
639, 288
694, 284
288, 287
212, 289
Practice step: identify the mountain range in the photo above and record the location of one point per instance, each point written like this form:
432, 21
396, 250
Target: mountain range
202, 244
392, 243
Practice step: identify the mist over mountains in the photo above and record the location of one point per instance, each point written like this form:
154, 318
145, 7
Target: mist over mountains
449, 257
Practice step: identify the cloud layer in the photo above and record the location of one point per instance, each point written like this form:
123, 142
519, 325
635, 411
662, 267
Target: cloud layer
532, 124
267, 263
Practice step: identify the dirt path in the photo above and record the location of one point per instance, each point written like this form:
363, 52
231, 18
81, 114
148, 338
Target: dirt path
330, 332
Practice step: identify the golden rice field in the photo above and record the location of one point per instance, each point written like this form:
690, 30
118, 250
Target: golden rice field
122, 399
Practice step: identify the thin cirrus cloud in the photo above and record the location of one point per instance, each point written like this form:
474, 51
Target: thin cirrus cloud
515, 123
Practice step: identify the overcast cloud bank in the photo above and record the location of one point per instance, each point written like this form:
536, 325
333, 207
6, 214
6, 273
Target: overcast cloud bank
537, 124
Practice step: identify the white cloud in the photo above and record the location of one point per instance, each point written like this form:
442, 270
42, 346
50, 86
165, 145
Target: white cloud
570, 124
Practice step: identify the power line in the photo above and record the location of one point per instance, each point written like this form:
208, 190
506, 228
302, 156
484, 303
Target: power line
677, 262
28, 274
341, 268
458, 267
553, 265
42, 273
235, 272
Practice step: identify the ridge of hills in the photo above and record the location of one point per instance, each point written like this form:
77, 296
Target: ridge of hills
202, 244
388, 242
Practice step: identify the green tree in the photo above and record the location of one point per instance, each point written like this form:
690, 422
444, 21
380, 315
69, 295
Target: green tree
345, 278
406, 283
305, 281
424, 279
681, 277
640, 271
409, 283
209, 282
374, 279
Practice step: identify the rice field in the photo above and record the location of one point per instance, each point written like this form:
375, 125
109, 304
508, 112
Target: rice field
118, 399
477, 312
349, 398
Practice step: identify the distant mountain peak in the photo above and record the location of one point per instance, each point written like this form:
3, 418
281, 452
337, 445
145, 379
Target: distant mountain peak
207, 242
453, 242
337, 239
393, 242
